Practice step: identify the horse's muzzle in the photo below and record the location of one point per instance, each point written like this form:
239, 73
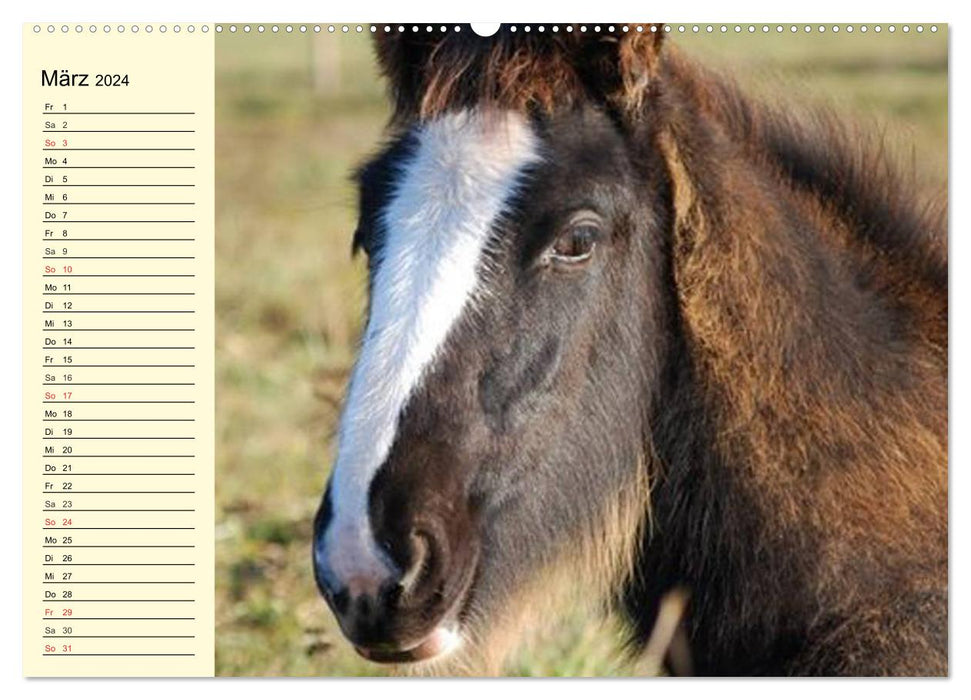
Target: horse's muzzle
402, 617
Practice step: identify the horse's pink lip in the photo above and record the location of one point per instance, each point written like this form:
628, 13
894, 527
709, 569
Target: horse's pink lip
441, 640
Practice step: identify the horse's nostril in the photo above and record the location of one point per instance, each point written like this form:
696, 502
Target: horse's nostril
418, 566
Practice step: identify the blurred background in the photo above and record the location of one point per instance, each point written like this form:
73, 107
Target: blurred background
295, 113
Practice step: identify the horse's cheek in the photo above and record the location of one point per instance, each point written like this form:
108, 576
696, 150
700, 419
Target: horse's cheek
515, 385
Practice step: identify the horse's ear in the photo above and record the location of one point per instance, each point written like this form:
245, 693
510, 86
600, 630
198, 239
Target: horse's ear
617, 66
402, 57
638, 60
623, 66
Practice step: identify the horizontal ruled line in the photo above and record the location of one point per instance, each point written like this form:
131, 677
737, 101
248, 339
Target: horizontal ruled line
119, 167
62, 148
71, 653
127, 240
122, 221
70, 491
72, 527
115, 437
112, 204
122, 583
116, 420
119, 510
72, 275
120, 600
127, 113
112, 184
119, 546
111, 456
118, 131
74, 330
119, 420
126, 473
154, 563
79, 401
119, 636
125, 294
115, 618
119, 384
119, 257
119, 311
118, 330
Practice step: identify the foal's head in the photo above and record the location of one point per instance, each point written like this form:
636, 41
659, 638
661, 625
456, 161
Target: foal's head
495, 419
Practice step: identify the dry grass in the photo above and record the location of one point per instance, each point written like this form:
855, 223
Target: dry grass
289, 302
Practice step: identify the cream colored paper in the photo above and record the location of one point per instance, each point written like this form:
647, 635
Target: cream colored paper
118, 339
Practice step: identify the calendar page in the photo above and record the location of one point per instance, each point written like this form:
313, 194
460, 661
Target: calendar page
485, 350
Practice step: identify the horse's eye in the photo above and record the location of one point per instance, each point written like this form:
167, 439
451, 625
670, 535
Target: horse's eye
576, 243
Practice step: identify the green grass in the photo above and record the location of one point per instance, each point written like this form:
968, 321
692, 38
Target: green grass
289, 301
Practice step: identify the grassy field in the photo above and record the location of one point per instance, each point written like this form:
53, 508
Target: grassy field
289, 301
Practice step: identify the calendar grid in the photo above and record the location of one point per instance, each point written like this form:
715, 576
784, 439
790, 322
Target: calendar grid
118, 276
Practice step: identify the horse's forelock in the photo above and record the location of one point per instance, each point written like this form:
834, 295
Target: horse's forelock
430, 74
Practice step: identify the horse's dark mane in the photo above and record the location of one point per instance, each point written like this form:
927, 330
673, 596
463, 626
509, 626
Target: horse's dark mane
848, 165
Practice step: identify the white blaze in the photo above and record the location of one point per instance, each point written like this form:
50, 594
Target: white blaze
448, 196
